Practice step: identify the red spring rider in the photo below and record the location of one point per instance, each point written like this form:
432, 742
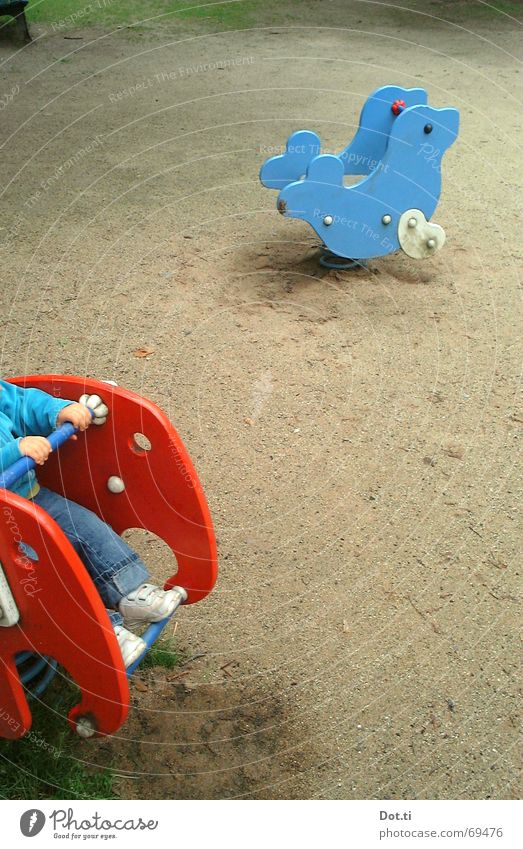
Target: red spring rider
50, 610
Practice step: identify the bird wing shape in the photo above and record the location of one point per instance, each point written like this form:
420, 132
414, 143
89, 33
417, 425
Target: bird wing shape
277, 171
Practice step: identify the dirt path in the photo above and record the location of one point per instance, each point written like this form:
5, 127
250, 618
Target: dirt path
356, 433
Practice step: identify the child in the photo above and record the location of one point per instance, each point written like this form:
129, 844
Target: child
27, 416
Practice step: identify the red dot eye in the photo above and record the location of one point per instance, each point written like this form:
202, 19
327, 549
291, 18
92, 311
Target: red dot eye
398, 106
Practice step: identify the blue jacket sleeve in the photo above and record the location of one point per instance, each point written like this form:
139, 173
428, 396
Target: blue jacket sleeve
32, 412
10, 453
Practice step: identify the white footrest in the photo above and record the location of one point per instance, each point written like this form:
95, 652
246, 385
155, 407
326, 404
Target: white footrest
9, 614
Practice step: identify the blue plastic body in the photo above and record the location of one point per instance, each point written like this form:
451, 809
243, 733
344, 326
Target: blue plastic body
398, 154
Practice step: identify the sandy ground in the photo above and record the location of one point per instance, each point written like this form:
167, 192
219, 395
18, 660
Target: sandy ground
356, 433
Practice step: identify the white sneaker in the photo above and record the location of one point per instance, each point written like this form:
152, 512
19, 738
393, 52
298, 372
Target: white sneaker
130, 644
149, 603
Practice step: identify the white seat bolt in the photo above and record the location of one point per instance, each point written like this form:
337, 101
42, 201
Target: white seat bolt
328, 220
115, 484
412, 222
85, 727
386, 219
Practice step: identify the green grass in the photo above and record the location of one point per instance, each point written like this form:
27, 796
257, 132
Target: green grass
70, 14
67, 15
163, 653
47, 762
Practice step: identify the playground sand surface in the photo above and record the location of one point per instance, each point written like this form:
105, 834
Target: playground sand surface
356, 433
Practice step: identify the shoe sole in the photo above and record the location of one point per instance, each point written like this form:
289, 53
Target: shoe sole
138, 623
134, 657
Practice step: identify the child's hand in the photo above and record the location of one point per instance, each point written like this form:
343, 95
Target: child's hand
77, 414
37, 448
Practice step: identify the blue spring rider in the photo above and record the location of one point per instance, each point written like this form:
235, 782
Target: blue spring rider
397, 150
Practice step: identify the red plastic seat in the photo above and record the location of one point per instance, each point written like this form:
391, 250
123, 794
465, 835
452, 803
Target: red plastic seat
61, 612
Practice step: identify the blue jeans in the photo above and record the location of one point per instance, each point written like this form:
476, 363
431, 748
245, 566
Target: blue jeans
114, 567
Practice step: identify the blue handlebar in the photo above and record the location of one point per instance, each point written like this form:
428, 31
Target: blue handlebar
20, 467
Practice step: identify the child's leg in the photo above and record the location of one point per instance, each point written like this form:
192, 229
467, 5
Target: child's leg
114, 567
117, 572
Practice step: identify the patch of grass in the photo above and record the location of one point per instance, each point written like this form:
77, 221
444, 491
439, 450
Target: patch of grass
48, 762
163, 653
66, 15
69, 14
